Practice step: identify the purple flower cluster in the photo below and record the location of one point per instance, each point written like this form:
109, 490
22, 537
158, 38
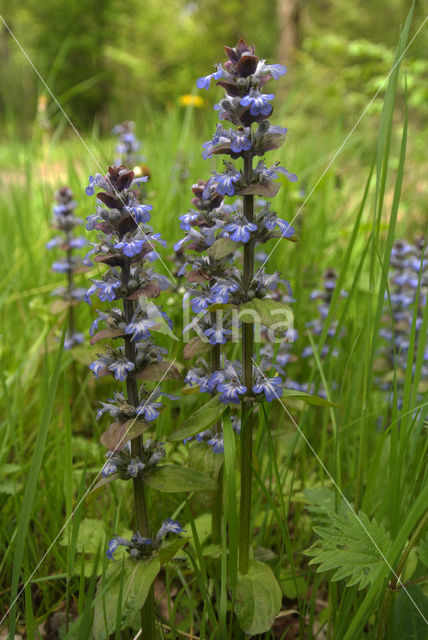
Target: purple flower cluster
125, 244
404, 304
140, 547
65, 222
128, 144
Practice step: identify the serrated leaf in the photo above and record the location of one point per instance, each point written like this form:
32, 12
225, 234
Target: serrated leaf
307, 398
201, 419
352, 548
138, 576
269, 312
222, 248
172, 478
258, 599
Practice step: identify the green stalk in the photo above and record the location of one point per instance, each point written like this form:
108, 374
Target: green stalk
70, 287
217, 504
141, 513
247, 416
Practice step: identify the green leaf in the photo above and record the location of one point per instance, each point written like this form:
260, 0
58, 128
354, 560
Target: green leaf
203, 458
258, 598
423, 551
408, 623
221, 248
172, 478
169, 548
90, 537
269, 312
203, 418
308, 399
350, 547
138, 576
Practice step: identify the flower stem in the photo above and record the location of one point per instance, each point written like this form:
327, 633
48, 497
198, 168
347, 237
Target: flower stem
70, 287
217, 504
141, 513
247, 416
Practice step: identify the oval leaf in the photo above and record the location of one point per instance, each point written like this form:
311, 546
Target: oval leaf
258, 599
268, 312
159, 371
119, 433
138, 576
308, 399
200, 420
194, 347
171, 478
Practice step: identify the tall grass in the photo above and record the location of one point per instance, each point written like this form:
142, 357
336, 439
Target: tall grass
49, 449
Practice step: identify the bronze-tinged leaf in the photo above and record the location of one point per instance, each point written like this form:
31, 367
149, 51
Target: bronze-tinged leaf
113, 260
160, 371
247, 118
196, 276
267, 188
107, 333
232, 89
231, 54
119, 433
150, 291
194, 347
109, 200
126, 224
221, 248
125, 180
247, 65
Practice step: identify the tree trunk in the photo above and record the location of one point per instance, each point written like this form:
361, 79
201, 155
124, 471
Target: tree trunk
289, 30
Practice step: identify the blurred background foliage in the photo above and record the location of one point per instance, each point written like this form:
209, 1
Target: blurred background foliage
104, 60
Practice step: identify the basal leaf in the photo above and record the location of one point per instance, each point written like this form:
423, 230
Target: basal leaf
201, 419
408, 623
172, 478
423, 551
138, 576
258, 599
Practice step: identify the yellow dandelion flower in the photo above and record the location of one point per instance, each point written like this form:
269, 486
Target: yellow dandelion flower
189, 100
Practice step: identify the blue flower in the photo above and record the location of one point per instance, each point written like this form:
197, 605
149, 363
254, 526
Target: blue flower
112, 546
225, 183
140, 329
258, 103
276, 70
140, 212
271, 387
61, 266
134, 467
121, 368
72, 340
205, 81
187, 218
240, 142
168, 526
54, 243
220, 291
97, 367
149, 410
240, 231
131, 248
230, 390
200, 303
92, 220
290, 176
78, 243
216, 442
271, 221
108, 469
93, 182
217, 335
221, 136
